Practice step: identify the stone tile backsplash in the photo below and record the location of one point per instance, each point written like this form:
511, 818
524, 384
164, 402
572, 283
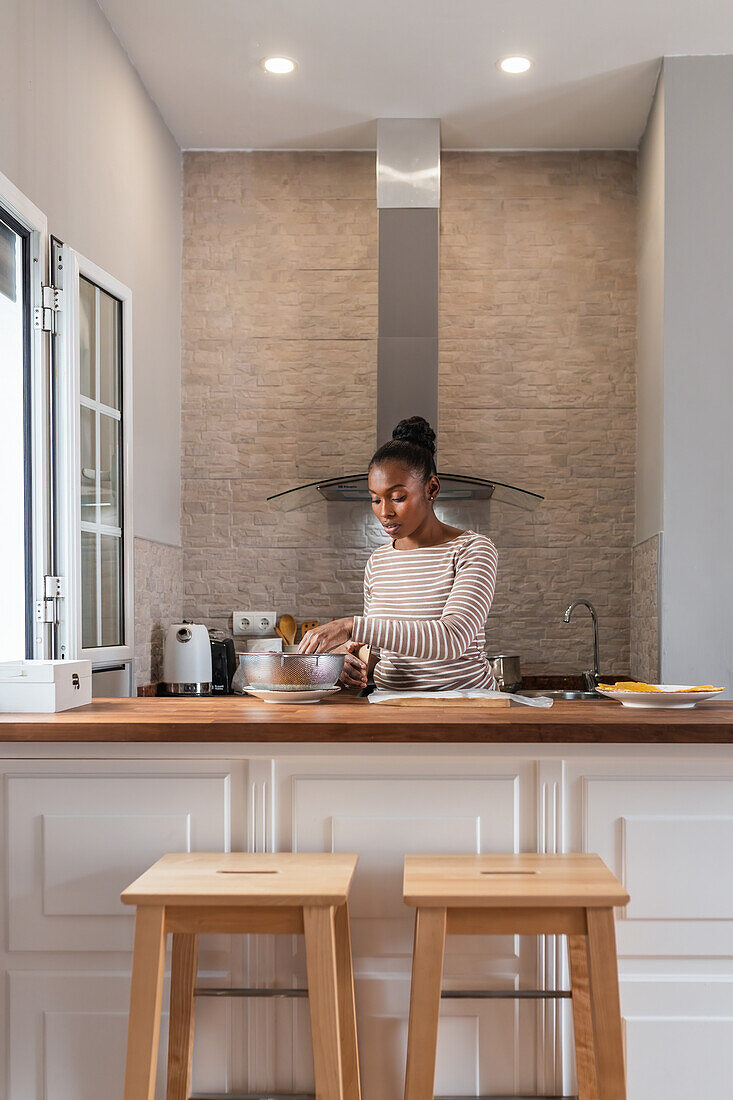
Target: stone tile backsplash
158, 603
537, 383
645, 654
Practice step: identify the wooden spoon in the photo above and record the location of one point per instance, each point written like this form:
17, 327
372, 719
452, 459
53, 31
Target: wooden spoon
288, 628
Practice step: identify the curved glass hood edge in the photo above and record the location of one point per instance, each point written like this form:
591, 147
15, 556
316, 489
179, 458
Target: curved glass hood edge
454, 487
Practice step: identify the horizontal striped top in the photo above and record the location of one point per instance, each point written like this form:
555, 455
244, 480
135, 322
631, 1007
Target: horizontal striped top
426, 610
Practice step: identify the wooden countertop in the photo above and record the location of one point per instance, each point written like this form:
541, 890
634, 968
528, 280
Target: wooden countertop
243, 719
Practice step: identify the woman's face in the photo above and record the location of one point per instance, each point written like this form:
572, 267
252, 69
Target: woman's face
401, 500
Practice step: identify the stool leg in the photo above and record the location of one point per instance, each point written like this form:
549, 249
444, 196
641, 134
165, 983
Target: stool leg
347, 1006
603, 969
585, 1056
184, 967
146, 993
427, 974
319, 925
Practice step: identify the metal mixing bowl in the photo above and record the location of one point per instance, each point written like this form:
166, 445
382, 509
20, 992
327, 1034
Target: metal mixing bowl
291, 671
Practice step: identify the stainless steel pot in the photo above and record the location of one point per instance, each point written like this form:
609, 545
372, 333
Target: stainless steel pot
506, 671
288, 671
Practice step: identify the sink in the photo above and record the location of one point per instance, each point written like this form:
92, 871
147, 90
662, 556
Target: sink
559, 693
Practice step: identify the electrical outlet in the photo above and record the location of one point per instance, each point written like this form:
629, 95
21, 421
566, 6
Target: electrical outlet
253, 624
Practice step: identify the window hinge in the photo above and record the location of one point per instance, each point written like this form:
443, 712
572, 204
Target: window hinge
53, 587
45, 316
47, 610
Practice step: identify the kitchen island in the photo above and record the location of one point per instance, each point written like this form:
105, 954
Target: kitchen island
93, 796
346, 719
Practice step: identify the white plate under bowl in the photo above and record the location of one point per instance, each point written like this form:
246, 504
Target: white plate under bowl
313, 696
671, 696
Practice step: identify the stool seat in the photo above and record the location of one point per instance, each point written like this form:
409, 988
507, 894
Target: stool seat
525, 880
244, 878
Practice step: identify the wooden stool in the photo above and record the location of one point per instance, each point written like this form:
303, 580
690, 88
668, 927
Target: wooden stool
231, 893
570, 895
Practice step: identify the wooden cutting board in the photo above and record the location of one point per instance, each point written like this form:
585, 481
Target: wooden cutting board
426, 701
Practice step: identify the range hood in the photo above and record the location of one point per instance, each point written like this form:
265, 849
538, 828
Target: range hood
408, 199
453, 487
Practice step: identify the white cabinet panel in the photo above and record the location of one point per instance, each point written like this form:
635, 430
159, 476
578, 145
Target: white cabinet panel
382, 1019
679, 1058
68, 1034
649, 829
679, 1038
381, 844
673, 867
458, 1059
384, 818
85, 857
79, 1050
75, 841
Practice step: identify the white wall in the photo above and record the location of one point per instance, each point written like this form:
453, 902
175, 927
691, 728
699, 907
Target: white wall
650, 325
82, 139
697, 619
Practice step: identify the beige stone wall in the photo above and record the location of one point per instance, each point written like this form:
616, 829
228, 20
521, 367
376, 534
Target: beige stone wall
645, 610
536, 386
279, 377
158, 603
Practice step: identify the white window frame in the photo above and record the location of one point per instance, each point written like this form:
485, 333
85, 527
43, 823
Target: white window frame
35, 221
69, 402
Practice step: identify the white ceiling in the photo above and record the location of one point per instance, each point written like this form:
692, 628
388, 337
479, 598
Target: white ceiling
595, 67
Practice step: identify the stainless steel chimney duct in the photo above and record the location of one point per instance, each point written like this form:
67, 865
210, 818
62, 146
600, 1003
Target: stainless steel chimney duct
408, 199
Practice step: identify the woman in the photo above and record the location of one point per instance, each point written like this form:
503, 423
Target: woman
427, 593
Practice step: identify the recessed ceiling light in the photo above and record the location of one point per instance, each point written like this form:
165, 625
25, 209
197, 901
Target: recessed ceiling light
278, 65
514, 64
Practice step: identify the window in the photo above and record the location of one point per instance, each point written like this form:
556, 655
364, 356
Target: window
14, 439
100, 362
24, 430
65, 449
94, 402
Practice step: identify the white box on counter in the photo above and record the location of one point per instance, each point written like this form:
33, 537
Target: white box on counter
42, 687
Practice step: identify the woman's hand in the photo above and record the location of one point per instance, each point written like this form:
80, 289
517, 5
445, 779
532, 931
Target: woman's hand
354, 673
327, 636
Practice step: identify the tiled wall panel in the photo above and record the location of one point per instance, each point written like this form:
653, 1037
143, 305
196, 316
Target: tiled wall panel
537, 383
158, 602
645, 609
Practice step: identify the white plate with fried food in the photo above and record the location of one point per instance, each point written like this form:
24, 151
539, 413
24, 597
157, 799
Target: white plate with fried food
677, 696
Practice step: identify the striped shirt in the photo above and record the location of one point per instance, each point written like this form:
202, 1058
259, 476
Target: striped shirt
426, 610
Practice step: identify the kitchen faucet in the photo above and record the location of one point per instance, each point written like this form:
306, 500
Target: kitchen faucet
592, 675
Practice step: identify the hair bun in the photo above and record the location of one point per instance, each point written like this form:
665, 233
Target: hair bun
416, 430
